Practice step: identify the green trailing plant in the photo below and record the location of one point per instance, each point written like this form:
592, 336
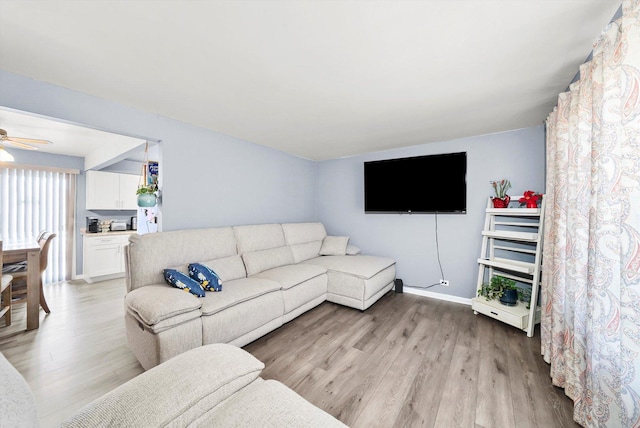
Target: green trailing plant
146, 189
494, 289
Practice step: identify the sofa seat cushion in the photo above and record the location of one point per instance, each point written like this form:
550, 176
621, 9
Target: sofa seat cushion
155, 303
175, 393
361, 266
291, 275
236, 292
268, 403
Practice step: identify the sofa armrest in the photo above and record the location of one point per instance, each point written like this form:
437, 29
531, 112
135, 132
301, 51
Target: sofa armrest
17, 404
174, 393
154, 303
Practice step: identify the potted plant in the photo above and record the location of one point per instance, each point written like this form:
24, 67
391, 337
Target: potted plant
148, 187
500, 288
146, 195
530, 199
501, 200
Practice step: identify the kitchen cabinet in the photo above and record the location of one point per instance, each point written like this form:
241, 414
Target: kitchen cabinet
111, 191
103, 255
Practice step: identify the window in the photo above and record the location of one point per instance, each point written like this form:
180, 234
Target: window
34, 199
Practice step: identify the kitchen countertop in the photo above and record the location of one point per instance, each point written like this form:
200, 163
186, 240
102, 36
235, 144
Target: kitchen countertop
83, 231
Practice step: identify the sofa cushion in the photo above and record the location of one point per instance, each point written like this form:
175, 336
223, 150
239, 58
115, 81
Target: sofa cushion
305, 239
259, 261
228, 268
268, 404
292, 275
208, 279
306, 251
361, 266
155, 303
300, 233
17, 404
334, 246
173, 393
236, 292
352, 250
148, 255
258, 237
180, 280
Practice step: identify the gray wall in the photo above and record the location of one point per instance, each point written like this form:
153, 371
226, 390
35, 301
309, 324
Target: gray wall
209, 179
411, 239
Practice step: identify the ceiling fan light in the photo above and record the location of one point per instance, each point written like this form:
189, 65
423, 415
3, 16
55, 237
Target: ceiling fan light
5, 156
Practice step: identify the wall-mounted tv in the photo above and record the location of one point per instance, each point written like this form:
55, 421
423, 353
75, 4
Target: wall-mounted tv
420, 184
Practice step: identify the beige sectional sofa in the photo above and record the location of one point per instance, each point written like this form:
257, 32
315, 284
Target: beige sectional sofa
211, 386
271, 274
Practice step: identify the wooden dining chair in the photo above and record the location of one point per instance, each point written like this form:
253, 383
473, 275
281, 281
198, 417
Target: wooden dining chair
5, 294
20, 277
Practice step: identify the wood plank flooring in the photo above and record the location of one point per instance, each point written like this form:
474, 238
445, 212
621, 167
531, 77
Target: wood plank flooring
408, 361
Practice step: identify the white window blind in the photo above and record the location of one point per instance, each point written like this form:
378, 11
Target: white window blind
33, 200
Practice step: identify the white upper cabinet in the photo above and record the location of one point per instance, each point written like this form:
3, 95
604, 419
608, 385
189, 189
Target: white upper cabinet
111, 191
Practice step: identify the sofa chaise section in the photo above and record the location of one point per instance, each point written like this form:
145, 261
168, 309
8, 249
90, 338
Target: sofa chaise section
357, 281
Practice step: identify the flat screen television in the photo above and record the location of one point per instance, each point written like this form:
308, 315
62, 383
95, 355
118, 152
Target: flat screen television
420, 184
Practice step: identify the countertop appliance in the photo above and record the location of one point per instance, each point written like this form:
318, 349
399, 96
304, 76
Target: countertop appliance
92, 225
134, 223
118, 225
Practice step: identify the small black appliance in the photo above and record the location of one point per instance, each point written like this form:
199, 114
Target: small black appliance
92, 225
398, 285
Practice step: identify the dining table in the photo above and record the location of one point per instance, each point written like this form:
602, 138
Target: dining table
29, 251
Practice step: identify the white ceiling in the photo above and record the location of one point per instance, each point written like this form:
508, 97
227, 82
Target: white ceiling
318, 79
98, 148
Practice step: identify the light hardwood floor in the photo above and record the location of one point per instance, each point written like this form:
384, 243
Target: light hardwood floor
408, 361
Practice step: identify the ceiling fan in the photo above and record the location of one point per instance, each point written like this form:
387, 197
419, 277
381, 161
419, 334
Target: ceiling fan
19, 142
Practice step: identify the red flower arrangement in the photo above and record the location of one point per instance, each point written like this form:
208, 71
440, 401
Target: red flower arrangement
530, 198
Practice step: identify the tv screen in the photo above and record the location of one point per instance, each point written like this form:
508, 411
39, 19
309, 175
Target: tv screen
421, 184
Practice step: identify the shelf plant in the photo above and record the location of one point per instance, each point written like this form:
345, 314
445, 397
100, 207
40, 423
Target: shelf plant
505, 290
500, 187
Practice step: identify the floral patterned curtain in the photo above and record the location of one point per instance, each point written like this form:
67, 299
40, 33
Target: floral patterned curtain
590, 327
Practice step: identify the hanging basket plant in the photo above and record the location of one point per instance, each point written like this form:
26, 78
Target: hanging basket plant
146, 192
146, 196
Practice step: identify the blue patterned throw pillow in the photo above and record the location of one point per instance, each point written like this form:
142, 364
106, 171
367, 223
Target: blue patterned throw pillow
180, 280
206, 277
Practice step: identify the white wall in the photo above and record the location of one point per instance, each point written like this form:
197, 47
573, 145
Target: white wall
410, 239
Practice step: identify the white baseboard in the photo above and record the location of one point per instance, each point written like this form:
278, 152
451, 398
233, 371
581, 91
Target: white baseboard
439, 296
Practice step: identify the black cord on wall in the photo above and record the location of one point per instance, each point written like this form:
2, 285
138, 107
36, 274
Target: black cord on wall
438, 255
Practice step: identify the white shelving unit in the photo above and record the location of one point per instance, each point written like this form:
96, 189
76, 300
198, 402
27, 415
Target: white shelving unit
512, 248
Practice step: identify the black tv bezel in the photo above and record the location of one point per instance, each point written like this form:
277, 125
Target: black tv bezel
433, 156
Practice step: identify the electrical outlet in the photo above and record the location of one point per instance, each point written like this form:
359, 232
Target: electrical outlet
444, 282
